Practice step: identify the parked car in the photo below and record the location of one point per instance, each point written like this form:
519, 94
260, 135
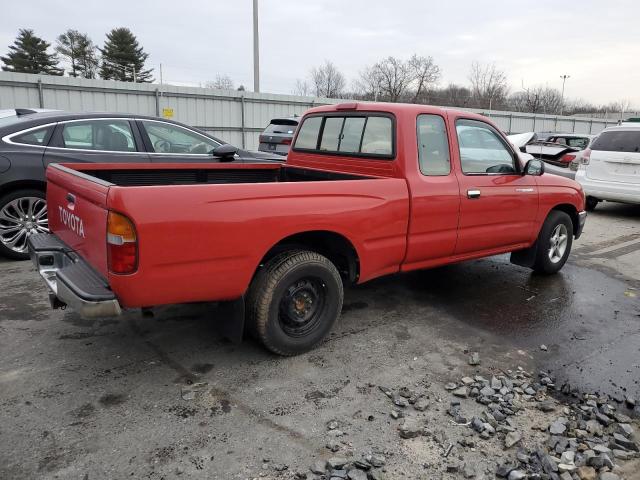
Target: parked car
277, 137
561, 152
30, 140
610, 168
368, 189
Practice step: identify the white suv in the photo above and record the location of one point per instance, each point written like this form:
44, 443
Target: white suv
610, 168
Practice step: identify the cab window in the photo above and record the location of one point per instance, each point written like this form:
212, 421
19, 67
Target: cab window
433, 146
482, 149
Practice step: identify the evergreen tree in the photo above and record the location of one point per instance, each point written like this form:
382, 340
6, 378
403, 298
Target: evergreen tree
123, 58
78, 49
28, 54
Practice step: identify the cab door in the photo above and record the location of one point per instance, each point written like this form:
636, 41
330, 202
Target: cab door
435, 195
498, 204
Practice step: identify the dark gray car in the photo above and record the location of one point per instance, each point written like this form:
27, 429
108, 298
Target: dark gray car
30, 140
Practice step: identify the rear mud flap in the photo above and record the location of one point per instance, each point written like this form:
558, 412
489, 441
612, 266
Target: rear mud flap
229, 319
526, 257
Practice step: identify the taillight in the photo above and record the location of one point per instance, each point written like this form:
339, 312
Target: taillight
122, 244
286, 141
567, 158
586, 157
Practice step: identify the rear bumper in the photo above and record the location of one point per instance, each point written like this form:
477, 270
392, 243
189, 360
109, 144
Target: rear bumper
71, 281
612, 191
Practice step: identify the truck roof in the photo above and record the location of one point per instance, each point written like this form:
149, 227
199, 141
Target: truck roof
394, 108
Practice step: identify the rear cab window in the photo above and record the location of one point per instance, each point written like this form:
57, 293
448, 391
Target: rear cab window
627, 141
368, 135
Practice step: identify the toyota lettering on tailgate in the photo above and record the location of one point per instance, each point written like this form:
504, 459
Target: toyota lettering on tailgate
71, 221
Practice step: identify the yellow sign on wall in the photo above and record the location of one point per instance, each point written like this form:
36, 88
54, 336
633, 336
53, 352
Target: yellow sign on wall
167, 112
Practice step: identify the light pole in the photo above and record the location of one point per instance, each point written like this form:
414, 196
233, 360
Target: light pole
256, 49
564, 79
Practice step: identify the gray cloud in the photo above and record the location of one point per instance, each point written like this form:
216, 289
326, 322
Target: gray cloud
597, 43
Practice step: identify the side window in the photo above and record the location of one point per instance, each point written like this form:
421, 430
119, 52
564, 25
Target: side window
482, 150
433, 146
308, 135
108, 135
34, 137
366, 135
169, 138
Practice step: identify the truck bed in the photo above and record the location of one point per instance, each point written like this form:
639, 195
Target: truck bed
202, 230
142, 175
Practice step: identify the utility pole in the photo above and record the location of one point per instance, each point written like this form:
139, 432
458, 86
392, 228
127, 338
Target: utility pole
256, 49
564, 79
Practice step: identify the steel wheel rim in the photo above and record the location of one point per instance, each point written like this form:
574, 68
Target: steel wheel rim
558, 243
301, 307
21, 218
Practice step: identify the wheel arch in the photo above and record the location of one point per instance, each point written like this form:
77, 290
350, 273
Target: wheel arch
335, 246
22, 184
570, 210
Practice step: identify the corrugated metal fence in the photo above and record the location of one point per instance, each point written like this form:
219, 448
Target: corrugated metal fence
237, 117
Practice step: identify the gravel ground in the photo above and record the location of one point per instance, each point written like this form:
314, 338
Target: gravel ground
166, 397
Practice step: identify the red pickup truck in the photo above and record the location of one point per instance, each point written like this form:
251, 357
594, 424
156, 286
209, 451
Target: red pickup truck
368, 189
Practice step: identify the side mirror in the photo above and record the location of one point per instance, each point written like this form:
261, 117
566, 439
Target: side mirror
225, 152
534, 167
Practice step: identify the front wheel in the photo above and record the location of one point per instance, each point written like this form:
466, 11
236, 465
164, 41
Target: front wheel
294, 301
22, 213
554, 243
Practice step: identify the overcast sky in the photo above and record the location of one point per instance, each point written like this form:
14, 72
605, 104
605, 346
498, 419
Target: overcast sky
596, 42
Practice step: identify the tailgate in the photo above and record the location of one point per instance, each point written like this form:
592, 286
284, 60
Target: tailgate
614, 166
77, 210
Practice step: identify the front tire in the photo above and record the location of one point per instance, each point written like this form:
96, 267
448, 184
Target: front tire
22, 213
554, 243
294, 301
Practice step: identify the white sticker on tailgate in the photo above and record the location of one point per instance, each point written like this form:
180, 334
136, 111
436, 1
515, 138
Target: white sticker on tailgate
72, 221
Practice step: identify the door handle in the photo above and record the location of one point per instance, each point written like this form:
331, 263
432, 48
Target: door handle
473, 193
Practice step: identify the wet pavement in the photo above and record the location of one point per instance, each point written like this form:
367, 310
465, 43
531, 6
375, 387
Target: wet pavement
106, 398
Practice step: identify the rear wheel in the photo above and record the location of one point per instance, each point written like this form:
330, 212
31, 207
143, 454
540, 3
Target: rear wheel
554, 243
591, 203
22, 213
294, 301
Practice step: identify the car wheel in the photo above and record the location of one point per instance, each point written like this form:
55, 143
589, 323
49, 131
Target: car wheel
591, 203
22, 213
294, 301
554, 243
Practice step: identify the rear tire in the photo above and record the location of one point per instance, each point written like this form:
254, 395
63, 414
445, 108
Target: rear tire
554, 243
591, 204
294, 301
22, 212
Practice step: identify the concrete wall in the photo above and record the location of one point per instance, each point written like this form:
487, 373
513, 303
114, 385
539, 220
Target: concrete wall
236, 117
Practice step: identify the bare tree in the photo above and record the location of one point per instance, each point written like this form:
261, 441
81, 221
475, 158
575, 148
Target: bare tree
327, 80
488, 84
302, 88
451, 96
222, 82
425, 74
537, 100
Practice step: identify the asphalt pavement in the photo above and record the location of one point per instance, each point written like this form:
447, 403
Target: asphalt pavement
164, 396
